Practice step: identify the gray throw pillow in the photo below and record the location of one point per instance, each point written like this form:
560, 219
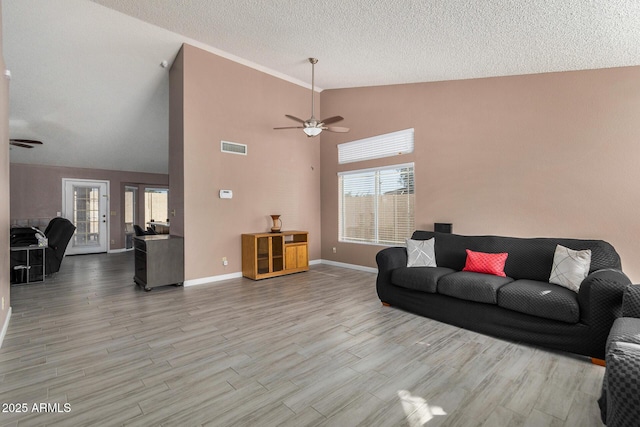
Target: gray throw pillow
421, 253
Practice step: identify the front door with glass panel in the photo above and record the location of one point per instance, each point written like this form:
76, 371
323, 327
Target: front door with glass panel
85, 204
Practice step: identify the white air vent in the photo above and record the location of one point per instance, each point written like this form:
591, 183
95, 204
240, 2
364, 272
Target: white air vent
233, 148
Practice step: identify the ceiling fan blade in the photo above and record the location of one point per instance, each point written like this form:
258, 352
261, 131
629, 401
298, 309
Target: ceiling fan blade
27, 141
337, 129
291, 127
333, 119
19, 144
294, 118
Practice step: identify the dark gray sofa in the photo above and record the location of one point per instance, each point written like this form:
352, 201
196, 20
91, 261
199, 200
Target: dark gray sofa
620, 399
522, 307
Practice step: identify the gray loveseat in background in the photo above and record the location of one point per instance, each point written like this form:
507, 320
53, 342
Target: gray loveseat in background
620, 399
523, 306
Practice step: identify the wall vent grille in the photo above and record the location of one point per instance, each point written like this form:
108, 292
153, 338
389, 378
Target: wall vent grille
233, 148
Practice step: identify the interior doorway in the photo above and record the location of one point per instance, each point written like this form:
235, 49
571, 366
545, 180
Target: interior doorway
156, 205
86, 203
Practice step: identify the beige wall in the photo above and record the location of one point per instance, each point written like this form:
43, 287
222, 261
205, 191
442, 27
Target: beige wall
4, 188
36, 192
224, 100
176, 145
538, 155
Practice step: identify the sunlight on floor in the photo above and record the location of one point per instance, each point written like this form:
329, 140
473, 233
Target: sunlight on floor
417, 409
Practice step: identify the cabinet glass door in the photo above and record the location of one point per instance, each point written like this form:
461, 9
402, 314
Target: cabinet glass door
263, 254
278, 253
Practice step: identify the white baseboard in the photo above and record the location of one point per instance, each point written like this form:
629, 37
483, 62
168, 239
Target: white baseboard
116, 251
5, 327
213, 279
351, 266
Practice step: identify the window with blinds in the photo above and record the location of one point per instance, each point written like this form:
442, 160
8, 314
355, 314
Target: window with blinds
376, 147
377, 205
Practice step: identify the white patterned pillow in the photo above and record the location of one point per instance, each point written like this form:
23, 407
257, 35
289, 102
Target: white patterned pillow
570, 267
421, 253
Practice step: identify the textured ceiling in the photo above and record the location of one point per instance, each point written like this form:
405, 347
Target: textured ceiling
86, 78
365, 43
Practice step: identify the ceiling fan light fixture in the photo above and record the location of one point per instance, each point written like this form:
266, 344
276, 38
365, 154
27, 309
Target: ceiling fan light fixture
311, 132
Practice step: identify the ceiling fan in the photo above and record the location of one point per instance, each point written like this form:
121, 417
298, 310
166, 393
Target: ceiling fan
312, 126
26, 143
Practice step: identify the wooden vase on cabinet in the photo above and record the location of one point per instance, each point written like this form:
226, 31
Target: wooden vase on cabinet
277, 224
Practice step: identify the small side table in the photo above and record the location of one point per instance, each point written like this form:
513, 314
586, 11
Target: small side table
27, 264
158, 260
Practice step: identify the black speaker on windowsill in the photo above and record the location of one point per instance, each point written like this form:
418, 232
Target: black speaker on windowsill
442, 227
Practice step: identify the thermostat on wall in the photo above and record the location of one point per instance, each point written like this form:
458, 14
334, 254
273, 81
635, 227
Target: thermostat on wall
226, 194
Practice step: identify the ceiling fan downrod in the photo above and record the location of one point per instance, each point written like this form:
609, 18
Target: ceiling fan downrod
313, 62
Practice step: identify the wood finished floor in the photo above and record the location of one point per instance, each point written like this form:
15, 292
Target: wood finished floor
310, 349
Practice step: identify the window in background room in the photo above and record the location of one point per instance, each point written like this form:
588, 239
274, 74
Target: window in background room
156, 205
377, 205
130, 208
130, 197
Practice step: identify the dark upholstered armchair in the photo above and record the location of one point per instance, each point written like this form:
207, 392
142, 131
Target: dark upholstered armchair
620, 399
140, 232
58, 232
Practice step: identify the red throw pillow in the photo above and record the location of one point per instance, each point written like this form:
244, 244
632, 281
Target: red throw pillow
481, 262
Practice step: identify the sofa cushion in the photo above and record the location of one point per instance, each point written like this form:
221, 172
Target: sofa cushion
482, 262
472, 286
419, 278
421, 253
540, 299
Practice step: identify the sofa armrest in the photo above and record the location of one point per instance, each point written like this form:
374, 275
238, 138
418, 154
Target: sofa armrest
391, 258
600, 299
631, 302
388, 260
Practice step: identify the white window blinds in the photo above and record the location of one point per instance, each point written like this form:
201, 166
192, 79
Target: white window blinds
376, 147
377, 205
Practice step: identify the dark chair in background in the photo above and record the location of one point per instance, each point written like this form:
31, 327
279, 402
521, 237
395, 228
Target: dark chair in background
58, 233
140, 232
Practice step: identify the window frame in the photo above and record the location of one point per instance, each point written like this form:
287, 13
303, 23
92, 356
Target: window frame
376, 212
